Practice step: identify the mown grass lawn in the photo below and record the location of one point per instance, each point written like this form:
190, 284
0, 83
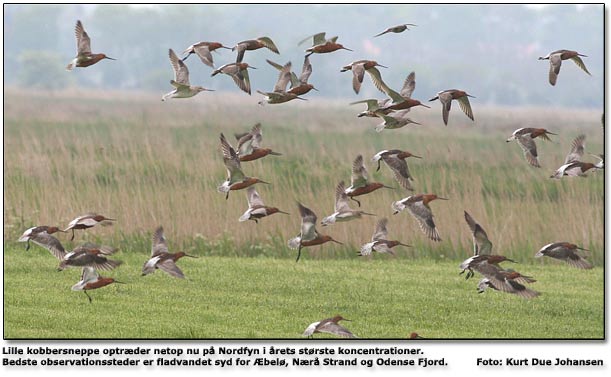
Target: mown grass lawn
225, 297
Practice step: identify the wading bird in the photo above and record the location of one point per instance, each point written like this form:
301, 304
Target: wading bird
279, 95
52, 244
161, 258
88, 221
254, 44
84, 57
183, 89
203, 50
256, 209
359, 68
329, 326
343, 212
567, 252
395, 29
308, 235
34, 231
478, 260
497, 278
238, 72
236, 180
359, 180
299, 85
379, 241
555, 61
572, 166
249, 145
446, 97
90, 279
403, 100
395, 160
90, 255
418, 206
525, 139
321, 45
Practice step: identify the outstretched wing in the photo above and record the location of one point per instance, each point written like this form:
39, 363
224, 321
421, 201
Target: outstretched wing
231, 160
181, 73
380, 232
308, 223
341, 199
254, 200
424, 215
481, 243
400, 171
50, 243
359, 173
83, 43
171, 268
529, 148
306, 71
577, 149
580, 64
554, 68
465, 106
283, 79
160, 244
409, 85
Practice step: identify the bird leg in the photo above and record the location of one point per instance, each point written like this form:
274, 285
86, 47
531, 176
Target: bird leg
27, 245
298, 254
356, 200
89, 297
72, 239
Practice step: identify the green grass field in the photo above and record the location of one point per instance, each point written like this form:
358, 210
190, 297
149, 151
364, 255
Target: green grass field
147, 163
226, 297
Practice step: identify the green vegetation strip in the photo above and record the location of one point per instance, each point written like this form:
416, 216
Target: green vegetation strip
277, 298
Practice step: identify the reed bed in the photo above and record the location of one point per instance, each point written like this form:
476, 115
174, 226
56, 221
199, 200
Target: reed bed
147, 163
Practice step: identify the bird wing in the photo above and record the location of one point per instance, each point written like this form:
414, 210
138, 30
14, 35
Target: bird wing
204, 55
358, 71
181, 72
341, 199
267, 42
171, 268
160, 244
529, 148
577, 149
554, 68
283, 78
231, 160
253, 198
83, 43
409, 85
308, 223
359, 173
318, 38
242, 80
400, 171
465, 106
246, 143
334, 328
89, 275
376, 78
380, 232
50, 243
424, 215
481, 243
580, 64
446, 100
306, 71
372, 104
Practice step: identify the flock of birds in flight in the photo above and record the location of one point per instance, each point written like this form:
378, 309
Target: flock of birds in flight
393, 110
